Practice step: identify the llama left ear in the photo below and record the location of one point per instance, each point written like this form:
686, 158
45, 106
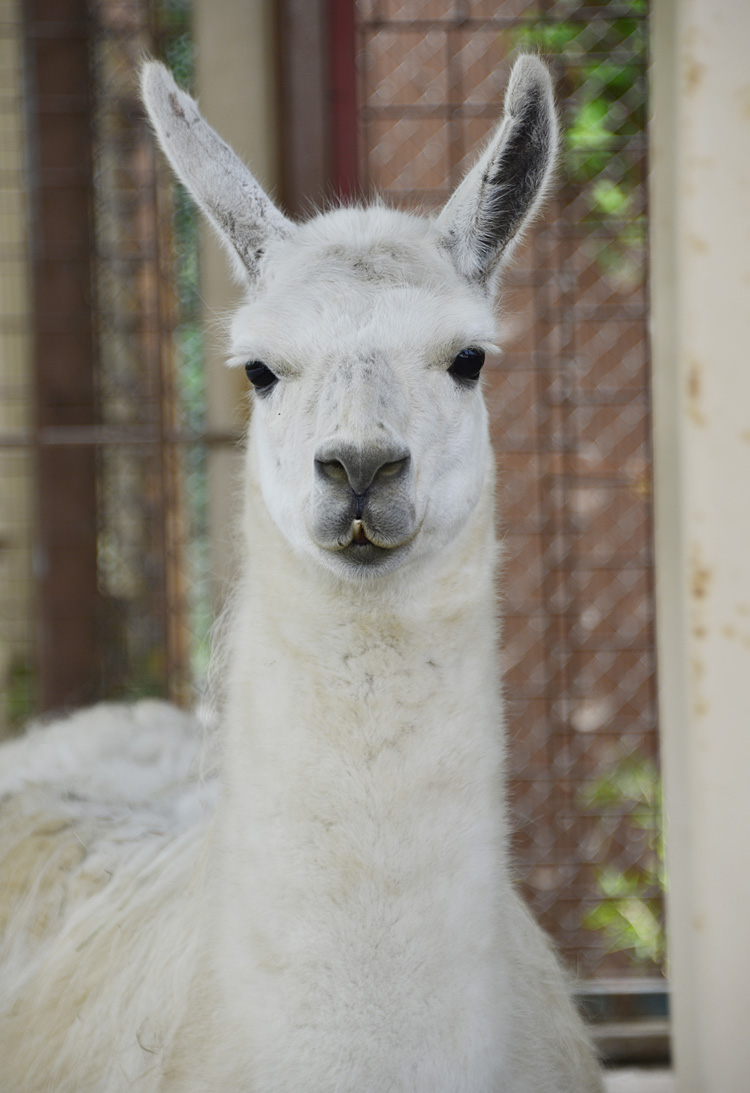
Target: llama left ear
485, 217
244, 217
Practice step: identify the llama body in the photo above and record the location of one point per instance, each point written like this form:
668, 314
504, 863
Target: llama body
344, 917
96, 894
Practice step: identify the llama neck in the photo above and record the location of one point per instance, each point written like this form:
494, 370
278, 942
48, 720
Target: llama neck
361, 837
355, 665
364, 716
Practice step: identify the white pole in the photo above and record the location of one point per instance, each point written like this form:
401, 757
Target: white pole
701, 341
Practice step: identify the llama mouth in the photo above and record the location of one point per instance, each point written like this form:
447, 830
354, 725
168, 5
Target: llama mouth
360, 546
360, 541
363, 546
359, 535
362, 551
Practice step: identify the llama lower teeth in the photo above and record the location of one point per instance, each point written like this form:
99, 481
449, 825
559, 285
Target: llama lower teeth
359, 535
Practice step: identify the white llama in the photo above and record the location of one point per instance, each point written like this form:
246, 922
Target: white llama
338, 913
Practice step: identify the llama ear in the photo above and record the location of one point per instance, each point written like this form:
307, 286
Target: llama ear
224, 189
483, 219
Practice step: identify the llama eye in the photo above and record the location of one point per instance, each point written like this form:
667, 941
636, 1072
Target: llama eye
261, 376
467, 365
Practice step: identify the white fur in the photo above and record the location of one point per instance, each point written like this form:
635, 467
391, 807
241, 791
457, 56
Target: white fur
343, 918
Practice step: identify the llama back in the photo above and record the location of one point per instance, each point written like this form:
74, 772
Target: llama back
95, 907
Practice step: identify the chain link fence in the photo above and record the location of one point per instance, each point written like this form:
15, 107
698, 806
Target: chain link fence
151, 472
124, 398
569, 400
16, 497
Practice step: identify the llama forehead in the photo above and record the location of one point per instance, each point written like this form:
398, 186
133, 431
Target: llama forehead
360, 284
359, 250
397, 324
388, 239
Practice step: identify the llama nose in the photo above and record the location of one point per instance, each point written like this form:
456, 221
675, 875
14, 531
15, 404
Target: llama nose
360, 467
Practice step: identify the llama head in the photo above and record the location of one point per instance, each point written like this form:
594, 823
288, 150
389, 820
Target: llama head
364, 331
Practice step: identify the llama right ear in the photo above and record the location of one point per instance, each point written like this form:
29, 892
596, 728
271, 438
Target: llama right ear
222, 186
484, 219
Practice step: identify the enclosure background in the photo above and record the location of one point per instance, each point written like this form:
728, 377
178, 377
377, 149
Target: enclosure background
569, 400
569, 403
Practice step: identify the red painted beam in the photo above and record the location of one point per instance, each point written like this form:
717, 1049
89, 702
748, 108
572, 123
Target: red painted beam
343, 98
60, 113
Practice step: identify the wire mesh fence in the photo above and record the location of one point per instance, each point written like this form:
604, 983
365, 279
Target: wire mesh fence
112, 441
568, 398
16, 496
569, 401
153, 537
141, 506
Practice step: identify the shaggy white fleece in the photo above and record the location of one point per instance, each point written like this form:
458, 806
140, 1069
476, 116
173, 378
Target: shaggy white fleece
334, 912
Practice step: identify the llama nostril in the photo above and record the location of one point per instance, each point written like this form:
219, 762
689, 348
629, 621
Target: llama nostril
394, 468
333, 470
361, 467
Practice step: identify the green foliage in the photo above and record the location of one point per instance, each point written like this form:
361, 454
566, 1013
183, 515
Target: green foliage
601, 68
602, 65
633, 782
629, 913
19, 694
145, 677
173, 18
631, 923
178, 52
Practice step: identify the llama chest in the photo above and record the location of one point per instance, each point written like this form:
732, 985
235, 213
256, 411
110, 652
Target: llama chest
363, 971
368, 911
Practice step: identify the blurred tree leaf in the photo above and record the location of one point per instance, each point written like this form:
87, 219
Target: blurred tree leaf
602, 65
